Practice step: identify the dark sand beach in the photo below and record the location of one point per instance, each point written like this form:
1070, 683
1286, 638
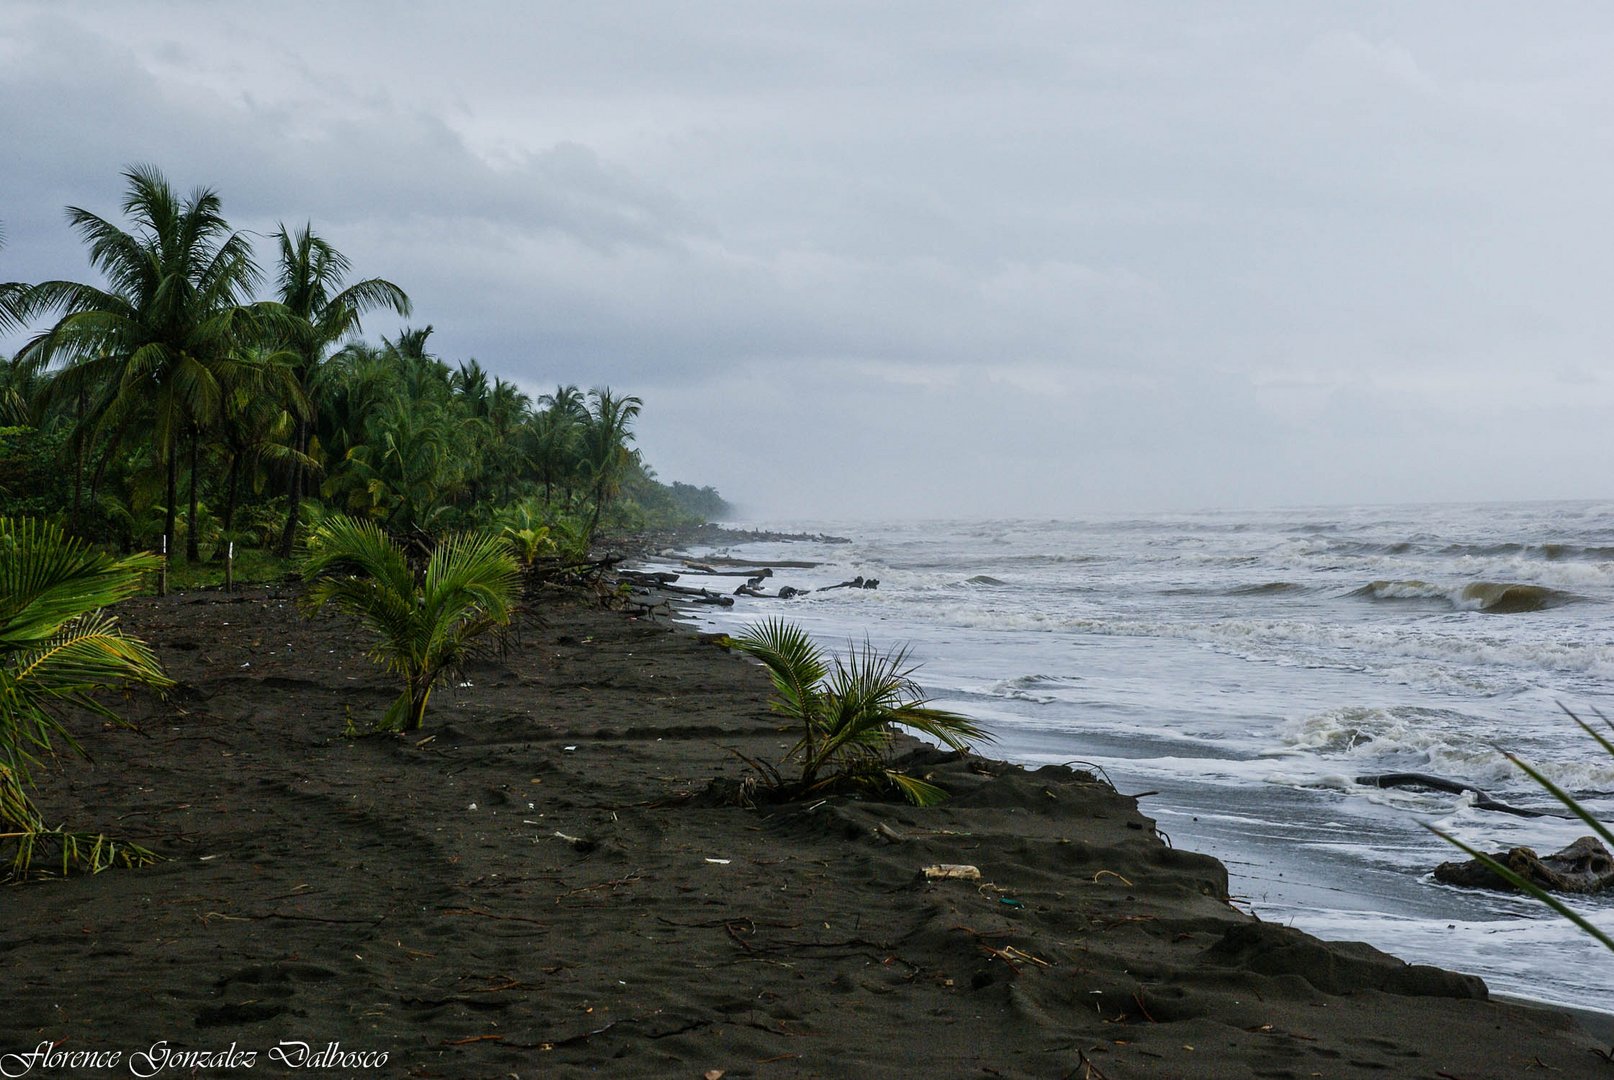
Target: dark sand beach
534, 886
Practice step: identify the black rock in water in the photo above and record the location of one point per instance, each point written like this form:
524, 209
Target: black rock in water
1583, 867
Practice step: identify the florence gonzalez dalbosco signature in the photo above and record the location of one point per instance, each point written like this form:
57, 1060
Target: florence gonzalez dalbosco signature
160, 1058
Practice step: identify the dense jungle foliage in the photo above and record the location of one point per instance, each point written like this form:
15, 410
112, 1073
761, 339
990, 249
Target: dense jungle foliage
195, 397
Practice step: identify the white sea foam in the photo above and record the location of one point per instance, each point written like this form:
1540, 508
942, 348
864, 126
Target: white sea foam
1252, 666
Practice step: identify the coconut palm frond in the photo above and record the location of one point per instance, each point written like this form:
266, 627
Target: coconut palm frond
47, 580
919, 792
473, 567
953, 730
423, 625
1601, 739
93, 852
57, 647
846, 710
89, 653
794, 662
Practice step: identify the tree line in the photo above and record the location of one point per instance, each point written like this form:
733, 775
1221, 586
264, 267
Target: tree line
176, 402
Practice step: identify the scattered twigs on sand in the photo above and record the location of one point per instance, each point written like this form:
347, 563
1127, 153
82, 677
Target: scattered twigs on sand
612, 885
482, 913
548, 1044
209, 916
1086, 1068
1014, 957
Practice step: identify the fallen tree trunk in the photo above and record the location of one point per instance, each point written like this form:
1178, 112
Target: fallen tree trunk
643, 577
707, 565
859, 582
785, 593
698, 568
1456, 787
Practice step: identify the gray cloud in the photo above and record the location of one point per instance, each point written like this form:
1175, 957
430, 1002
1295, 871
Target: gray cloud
925, 258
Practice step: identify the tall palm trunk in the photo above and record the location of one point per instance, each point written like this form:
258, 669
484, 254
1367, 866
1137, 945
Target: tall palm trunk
231, 489
171, 509
78, 466
193, 552
294, 490
594, 517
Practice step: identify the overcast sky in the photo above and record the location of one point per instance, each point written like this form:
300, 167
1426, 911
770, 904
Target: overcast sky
920, 259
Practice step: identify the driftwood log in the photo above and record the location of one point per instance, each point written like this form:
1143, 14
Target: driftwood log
786, 592
695, 596
1583, 867
706, 565
649, 579
1456, 787
701, 568
858, 582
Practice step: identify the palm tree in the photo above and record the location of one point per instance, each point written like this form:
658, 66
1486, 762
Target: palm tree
567, 401
146, 348
10, 294
552, 435
412, 464
56, 647
508, 412
256, 424
496, 412
472, 396
424, 623
22, 388
845, 710
322, 312
604, 442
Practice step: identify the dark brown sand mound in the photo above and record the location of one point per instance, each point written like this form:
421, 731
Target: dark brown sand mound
529, 889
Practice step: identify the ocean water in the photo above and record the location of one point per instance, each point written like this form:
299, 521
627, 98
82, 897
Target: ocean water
1244, 668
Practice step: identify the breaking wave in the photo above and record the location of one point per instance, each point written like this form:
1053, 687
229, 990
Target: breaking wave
1496, 598
1426, 545
1265, 588
1033, 688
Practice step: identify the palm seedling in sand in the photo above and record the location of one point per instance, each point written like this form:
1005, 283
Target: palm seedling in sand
425, 622
845, 708
58, 648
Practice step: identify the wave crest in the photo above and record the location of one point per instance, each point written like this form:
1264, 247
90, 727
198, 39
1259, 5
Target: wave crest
1492, 597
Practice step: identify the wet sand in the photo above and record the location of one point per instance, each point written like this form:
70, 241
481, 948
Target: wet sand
537, 885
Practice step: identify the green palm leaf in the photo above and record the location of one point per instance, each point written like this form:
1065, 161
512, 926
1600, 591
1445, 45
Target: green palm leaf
423, 626
57, 647
794, 662
846, 710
